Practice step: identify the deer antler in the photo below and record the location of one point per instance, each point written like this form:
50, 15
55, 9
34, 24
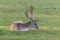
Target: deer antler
31, 12
26, 13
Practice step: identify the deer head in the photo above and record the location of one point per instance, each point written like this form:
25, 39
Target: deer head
32, 19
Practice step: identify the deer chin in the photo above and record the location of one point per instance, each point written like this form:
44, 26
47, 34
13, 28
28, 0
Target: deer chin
25, 29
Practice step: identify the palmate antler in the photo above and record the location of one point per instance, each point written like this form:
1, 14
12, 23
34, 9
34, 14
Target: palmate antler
31, 13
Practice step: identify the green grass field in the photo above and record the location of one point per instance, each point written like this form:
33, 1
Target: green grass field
47, 11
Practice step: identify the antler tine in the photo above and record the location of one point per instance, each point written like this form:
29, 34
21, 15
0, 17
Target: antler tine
26, 13
31, 11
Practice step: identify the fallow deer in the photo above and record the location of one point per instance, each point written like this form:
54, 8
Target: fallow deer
20, 26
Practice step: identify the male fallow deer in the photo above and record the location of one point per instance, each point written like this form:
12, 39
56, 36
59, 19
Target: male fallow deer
20, 26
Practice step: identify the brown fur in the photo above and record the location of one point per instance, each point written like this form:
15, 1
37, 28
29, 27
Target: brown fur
13, 27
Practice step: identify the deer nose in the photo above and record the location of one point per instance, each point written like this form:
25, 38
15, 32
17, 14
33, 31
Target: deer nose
36, 27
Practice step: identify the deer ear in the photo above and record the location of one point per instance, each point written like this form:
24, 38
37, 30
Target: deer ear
36, 19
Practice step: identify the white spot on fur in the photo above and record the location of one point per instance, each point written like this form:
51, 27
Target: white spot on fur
25, 29
18, 22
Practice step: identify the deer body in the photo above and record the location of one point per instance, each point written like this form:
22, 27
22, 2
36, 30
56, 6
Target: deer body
23, 26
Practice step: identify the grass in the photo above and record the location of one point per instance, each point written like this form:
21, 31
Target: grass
43, 9
43, 33
30, 35
47, 11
